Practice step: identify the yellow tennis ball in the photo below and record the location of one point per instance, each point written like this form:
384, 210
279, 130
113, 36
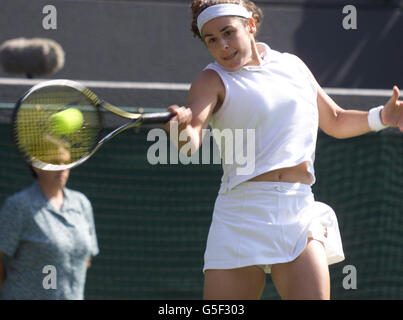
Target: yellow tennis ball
66, 121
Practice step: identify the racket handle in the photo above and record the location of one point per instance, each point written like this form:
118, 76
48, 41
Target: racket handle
156, 118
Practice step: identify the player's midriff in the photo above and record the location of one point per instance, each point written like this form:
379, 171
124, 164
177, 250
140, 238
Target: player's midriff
298, 173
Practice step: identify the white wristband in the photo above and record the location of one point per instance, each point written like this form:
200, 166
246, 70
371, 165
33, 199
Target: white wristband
374, 119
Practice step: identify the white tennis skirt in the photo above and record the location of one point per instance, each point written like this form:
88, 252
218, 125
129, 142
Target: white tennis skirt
264, 223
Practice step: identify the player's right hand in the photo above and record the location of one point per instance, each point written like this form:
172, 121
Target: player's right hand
183, 116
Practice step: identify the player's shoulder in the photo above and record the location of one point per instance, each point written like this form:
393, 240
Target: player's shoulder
283, 56
209, 74
289, 57
208, 80
288, 61
275, 57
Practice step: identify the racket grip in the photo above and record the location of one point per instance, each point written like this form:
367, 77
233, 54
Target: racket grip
157, 118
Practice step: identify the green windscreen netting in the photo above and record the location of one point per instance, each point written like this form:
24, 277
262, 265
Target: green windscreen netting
152, 220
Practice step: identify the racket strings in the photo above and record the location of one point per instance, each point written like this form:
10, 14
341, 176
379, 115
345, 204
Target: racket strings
34, 136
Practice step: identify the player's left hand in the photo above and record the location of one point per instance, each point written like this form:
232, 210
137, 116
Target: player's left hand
392, 113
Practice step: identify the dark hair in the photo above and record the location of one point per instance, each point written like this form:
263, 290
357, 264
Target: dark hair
199, 5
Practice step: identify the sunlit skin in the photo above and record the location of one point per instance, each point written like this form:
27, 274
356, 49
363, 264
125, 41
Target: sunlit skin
53, 182
231, 43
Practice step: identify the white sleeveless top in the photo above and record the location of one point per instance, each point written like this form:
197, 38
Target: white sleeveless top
276, 101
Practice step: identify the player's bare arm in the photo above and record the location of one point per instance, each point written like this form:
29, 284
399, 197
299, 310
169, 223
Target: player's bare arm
205, 96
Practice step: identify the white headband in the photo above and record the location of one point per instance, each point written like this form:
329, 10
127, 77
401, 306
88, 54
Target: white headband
219, 10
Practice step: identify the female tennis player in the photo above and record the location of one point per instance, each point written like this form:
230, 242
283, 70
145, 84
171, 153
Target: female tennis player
267, 221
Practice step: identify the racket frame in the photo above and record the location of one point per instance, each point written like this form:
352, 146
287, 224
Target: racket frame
136, 120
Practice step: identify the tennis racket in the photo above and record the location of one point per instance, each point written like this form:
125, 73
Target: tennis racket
62, 116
